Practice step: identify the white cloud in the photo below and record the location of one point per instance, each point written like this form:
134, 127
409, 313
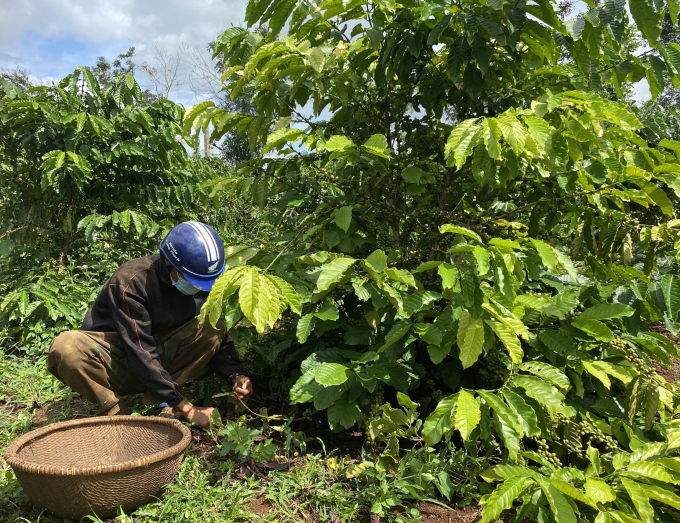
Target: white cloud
169, 22
52, 37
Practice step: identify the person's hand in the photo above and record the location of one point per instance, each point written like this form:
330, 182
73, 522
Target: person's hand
242, 387
199, 416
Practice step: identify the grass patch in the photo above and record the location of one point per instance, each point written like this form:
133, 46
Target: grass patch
217, 486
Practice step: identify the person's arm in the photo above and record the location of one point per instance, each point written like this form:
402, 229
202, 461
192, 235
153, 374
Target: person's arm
227, 363
133, 323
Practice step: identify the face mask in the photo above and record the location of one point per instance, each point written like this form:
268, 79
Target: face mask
185, 287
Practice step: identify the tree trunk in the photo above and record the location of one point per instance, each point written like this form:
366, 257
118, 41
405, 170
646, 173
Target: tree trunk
206, 143
442, 206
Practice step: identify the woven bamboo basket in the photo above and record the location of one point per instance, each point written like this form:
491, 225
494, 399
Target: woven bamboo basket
95, 465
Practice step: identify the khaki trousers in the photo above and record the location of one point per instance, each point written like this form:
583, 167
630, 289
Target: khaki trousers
94, 365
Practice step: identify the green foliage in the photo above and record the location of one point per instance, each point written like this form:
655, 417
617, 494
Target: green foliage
78, 149
199, 495
237, 441
548, 216
35, 308
622, 487
461, 233
84, 167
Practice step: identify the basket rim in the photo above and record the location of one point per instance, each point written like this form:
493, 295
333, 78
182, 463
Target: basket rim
11, 454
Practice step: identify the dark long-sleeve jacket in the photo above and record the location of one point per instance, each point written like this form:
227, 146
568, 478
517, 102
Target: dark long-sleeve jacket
139, 302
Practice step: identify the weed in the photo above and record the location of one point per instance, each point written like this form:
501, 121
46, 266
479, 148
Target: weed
200, 495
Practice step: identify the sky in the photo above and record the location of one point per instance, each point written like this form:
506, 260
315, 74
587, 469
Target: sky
51, 38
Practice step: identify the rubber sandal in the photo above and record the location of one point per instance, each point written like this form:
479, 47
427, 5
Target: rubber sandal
164, 414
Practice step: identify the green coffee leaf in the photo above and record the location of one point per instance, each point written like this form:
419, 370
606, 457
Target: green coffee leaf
514, 324
640, 499
509, 471
343, 414
670, 286
426, 266
282, 137
437, 354
316, 59
328, 313
377, 261
419, 300
333, 272
304, 390
238, 255
396, 333
558, 342
561, 509
223, 288
504, 497
338, 143
599, 491
290, 295
467, 415
429, 333
662, 495
509, 339
656, 194
543, 392
595, 328
525, 414
648, 18
439, 423
570, 490
448, 274
329, 374
547, 254
343, 217
648, 470
508, 415
258, 299
400, 275
492, 135
470, 338
510, 437
548, 373
482, 256
539, 303
412, 174
463, 139
455, 229
473, 296
305, 326
377, 141
606, 311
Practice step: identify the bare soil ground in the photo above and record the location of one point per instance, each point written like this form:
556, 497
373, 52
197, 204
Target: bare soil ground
429, 512
259, 506
672, 373
432, 513
62, 410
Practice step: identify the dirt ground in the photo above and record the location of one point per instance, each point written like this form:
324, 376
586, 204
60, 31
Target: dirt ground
429, 512
671, 374
432, 513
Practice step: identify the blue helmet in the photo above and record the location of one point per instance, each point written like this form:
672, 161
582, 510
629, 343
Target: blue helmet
196, 251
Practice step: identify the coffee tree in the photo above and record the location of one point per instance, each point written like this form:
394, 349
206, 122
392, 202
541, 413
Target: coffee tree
480, 225
78, 161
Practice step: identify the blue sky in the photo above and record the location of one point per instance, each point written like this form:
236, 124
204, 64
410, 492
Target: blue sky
55, 56
51, 37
